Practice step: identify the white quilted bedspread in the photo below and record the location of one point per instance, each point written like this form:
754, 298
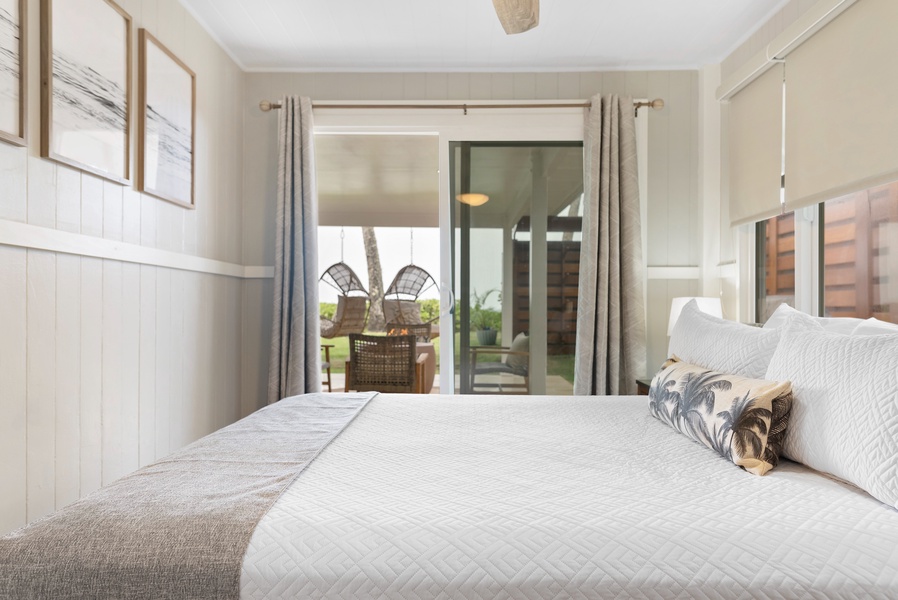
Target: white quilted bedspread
525, 498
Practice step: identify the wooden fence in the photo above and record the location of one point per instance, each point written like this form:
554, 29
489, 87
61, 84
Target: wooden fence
860, 256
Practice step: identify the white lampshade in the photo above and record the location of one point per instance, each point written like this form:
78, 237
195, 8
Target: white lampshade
706, 305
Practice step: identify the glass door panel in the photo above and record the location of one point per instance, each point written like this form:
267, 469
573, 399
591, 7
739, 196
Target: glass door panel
516, 222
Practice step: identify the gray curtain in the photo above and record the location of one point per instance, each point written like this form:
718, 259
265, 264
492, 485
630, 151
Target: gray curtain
610, 310
295, 363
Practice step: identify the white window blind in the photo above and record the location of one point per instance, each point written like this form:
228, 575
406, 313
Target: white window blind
841, 122
755, 129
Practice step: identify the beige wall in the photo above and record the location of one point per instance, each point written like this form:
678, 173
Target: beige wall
107, 365
674, 219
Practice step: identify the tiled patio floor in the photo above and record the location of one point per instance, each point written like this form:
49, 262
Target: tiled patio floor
555, 385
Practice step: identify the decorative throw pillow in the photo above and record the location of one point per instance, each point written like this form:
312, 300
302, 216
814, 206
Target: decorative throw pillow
725, 346
349, 304
402, 311
845, 414
744, 420
410, 311
519, 362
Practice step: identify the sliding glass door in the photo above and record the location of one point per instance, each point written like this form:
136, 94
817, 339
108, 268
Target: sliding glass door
516, 218
495, 233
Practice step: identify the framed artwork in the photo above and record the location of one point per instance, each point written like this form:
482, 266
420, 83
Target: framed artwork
13, 101
86, 86
167, 104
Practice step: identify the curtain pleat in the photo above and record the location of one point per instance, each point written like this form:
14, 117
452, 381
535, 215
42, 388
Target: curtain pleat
295, 362
610, 348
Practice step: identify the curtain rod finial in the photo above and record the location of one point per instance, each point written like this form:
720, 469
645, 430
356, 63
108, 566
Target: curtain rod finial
266, 105
657, 104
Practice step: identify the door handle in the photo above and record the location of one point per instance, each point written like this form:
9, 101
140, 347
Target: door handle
450, 300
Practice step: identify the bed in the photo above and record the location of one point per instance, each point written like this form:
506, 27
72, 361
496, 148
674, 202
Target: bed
496, 497
407, 496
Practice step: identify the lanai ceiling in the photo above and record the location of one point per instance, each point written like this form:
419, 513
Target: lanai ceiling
378, 180
393, 180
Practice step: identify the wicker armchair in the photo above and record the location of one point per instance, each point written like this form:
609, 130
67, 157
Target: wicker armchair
384, 364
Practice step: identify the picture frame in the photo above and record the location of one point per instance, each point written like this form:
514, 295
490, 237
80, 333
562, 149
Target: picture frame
166, 124
13, 71
86, 86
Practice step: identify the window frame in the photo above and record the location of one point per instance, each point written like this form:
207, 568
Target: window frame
810, 252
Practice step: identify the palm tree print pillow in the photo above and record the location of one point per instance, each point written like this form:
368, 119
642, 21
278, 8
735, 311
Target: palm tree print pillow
744, 420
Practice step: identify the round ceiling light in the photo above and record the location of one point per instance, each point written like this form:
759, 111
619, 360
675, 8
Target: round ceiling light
472, 199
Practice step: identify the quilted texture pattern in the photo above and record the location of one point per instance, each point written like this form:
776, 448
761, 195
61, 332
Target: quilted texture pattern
720, 345
744, 420
845, 408
532, 498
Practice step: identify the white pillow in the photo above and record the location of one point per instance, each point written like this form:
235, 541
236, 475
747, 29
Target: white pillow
519, 362
725, 346
779, 316
784, 313
843, 325
875, 327
845, 406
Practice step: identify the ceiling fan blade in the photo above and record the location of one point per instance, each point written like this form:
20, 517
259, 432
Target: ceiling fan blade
517, 16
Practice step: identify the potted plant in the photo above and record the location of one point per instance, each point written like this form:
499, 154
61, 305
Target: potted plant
482, 319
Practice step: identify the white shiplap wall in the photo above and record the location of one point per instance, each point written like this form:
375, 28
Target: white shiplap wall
674, 219
107, 365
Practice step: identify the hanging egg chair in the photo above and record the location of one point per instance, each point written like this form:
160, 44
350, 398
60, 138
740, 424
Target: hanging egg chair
352, 303
400, 303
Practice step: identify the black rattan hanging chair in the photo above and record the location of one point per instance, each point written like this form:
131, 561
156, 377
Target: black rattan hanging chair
401, 298
352, 303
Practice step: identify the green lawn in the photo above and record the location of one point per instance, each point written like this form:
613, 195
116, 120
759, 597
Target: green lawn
562, 365
338, 354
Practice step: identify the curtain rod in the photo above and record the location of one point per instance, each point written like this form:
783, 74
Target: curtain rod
266, 105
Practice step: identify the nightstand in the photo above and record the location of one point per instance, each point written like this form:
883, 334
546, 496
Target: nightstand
642, 386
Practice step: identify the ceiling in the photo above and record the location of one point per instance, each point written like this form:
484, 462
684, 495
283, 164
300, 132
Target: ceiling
378, 180
465, 35
505, 174
393, 180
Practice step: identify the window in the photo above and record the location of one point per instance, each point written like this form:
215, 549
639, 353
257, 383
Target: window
860, 254
858, 264
776, 264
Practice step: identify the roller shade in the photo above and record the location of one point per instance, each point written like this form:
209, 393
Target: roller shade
841, 122
755, 148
